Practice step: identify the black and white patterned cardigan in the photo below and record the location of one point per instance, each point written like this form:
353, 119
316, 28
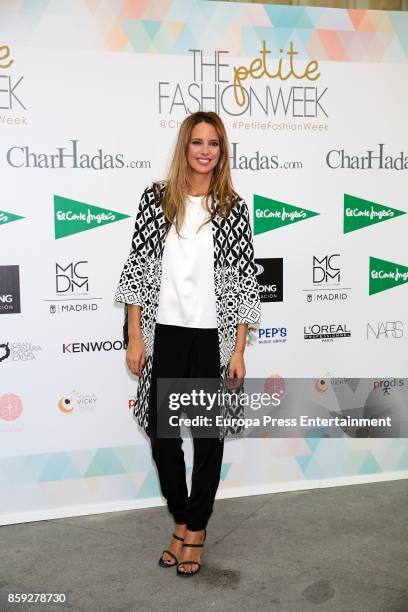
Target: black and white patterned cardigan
236, 287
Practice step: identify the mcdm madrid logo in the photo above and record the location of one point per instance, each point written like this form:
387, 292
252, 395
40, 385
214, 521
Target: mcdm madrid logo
386, 275
360, 213
72, 217
271, 214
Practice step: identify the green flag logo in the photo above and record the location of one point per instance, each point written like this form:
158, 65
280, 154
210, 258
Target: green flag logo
7, 217
271, 214
359, 213
72, 217
386, 275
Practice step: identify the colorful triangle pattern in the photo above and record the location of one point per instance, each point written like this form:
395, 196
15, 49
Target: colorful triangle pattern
172, 26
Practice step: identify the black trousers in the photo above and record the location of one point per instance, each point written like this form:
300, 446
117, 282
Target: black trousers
185, 352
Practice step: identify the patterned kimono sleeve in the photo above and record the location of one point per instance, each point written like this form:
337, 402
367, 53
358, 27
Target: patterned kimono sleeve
130, 285
249, 307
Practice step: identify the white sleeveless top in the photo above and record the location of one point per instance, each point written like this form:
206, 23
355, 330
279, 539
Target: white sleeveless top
187, 294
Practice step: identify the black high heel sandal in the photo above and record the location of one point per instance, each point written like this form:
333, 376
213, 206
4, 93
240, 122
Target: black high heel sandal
179, 573
162, 562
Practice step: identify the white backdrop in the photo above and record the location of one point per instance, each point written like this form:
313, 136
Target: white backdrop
90, 76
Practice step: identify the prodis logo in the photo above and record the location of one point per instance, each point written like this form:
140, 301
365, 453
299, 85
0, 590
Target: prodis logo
387, 385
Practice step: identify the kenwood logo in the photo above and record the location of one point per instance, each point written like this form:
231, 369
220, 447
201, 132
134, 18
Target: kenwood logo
92, 347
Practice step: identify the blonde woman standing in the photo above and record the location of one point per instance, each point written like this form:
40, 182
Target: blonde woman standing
190, 291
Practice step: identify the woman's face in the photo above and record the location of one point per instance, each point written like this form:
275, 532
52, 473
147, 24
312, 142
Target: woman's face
203, 151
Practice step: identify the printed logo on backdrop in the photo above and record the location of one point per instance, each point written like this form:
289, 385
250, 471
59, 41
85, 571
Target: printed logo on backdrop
387, 385
359, 213
73, 217
260, 161
326, 280
74, 402
326, 332
9, 290
272, 214
131, 402
379, 159
8, 217
385, 330
18, 351
72, 289
322, 385
12, 95
386, 275
11, 407
273, 87
269, 274
72, 157
266, 335
97, 346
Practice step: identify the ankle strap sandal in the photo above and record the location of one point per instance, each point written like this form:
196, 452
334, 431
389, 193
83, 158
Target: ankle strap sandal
192, 572
164, 563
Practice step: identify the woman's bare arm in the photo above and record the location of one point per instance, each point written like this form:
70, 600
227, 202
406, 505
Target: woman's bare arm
136, 351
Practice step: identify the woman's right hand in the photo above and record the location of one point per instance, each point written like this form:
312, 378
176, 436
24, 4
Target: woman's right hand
136, 356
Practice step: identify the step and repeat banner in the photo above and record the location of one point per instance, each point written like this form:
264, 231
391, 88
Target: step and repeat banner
92, 93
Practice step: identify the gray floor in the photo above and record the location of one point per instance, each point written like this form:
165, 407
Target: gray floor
342, 549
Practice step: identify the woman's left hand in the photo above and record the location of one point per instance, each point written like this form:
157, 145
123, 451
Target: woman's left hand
236, 367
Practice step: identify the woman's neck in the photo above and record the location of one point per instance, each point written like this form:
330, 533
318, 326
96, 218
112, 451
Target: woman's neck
199, 183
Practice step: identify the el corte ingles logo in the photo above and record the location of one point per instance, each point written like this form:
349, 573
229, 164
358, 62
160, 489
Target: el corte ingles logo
386, 275
360, 213
7, 217
72, 217
272, 214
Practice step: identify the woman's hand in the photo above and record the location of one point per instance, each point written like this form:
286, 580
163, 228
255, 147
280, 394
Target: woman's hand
236, 369
136, 356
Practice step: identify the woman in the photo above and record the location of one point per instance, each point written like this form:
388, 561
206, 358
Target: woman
190, 291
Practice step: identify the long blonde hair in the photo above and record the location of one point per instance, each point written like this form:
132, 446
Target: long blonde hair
177, 186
